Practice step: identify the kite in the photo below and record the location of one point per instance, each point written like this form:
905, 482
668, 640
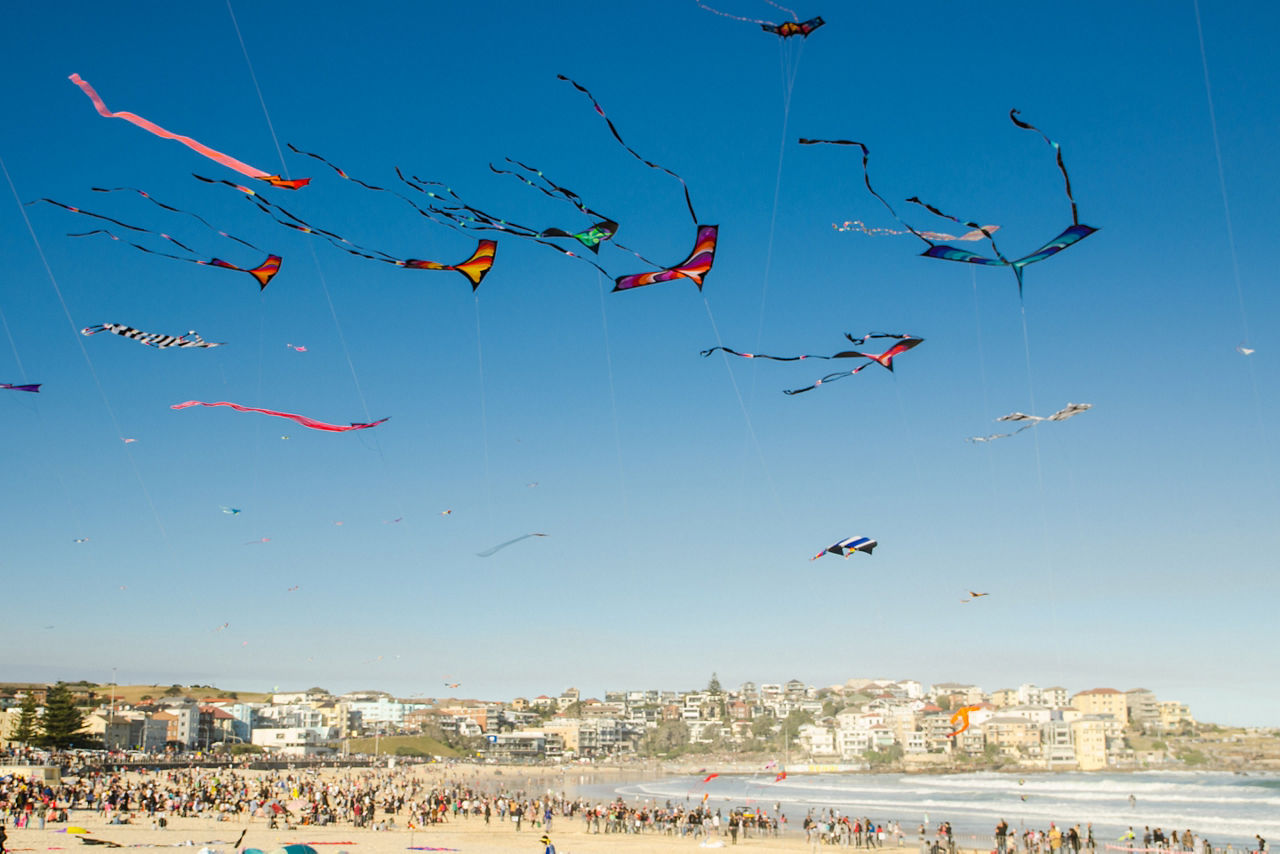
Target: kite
859, 225
973, 596
1245, 351
453, 684
263, 273
294, 588
127, 441
846, 548
531, 485
782, 775
151, 339
301, 419
787, 29
231, 511
1070, 410
1071, 235
962, 714
392, 521
709, 778
221, 627
884, 359
500, 546
32, 387
446, 512
296, 348
82, 539
474, 268
845, 354
260, 540
199, 148
694, 268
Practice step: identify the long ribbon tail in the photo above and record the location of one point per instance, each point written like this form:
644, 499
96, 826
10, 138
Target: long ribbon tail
167, 207
688, 200
733, 352
300, 419
828, 378
1062, 166
198, 147
866, 178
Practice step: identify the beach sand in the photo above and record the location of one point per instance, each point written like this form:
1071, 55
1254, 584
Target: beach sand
466, 835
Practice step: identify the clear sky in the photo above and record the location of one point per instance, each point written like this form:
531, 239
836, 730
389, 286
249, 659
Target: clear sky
1132, 546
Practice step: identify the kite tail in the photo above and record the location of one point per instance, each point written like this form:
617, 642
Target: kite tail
915, 200
866, 178
1062, 167
688, 200
198, 147
167, 207
828, 378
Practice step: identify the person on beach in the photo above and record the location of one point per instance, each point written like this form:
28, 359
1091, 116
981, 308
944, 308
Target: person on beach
1262, 843
1002, 833
546, 840
2, 838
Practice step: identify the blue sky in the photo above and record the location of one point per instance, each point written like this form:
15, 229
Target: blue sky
1131, 546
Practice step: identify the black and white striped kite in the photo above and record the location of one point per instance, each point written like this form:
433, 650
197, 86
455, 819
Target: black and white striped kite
151, 339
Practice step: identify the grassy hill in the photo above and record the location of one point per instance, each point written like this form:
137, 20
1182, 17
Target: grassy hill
389, 746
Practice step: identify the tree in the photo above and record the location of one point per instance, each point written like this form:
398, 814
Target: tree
173, 691
25, 728
62, 722
670, 738
713, 687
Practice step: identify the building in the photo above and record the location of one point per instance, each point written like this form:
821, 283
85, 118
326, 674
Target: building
1102, 701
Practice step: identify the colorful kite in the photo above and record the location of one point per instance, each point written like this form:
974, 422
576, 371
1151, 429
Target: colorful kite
782, 775
962, 714
231, 511
151, 339
200, 148
885, 359
500, 546
787, 29
845, 354
263, 273
709, 778
1073, 234
33, 387
846, 548
973, 595
694, 268
301, 419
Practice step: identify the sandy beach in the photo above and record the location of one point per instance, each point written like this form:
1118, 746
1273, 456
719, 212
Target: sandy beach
464, 834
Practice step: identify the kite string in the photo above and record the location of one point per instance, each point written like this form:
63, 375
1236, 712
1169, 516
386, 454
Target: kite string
115, 422
1231, 238
254, 77
1044, 515
1222, 180
484, 416
746, 415
613, 399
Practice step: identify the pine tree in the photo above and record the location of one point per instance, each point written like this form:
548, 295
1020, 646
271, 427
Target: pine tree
713, 687
25, 729
62, 721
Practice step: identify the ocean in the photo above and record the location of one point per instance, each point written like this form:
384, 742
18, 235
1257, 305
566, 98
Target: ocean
1226, 808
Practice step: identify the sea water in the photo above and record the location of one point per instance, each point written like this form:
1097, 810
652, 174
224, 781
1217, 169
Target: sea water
1224, 807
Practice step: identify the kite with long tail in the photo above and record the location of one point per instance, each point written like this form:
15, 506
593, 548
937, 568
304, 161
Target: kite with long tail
1069, 411
198, 147
151, 339
301, 419
885, 359
262, 274
699, 261
1070, 236
33, 387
